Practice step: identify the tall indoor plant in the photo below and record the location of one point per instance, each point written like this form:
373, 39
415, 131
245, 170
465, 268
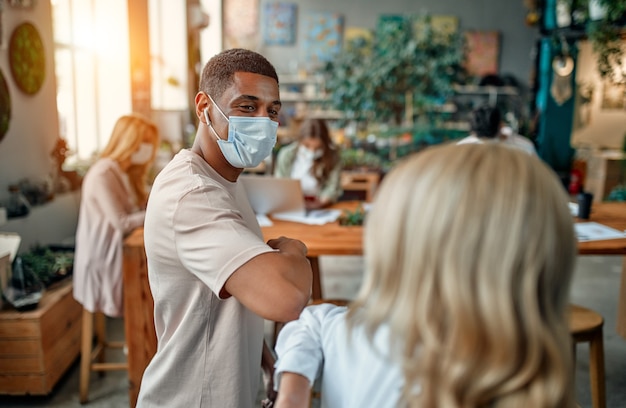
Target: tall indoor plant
408, 65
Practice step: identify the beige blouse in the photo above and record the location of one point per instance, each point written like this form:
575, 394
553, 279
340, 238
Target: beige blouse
107, 214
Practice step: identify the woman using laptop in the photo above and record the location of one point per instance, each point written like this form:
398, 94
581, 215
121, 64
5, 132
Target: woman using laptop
315, 161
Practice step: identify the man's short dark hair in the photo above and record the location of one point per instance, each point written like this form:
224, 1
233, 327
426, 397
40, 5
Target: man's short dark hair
485, 121
219, 71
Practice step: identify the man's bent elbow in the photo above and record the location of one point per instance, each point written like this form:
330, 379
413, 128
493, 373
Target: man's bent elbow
291, 307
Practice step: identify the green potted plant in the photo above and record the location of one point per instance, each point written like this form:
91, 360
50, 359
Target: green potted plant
407, 66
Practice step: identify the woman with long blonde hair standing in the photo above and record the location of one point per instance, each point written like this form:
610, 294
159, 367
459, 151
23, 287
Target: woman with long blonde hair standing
113, 202
469, 251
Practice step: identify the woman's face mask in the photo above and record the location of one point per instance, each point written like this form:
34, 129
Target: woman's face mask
143, 154
250, 139
309, 154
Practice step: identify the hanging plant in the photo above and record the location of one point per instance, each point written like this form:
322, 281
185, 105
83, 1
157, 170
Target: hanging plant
605, 36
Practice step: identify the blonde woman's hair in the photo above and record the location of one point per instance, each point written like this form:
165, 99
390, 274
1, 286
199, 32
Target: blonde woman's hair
469, 253
128, 133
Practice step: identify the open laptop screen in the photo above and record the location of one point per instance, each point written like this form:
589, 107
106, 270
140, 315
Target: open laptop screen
268, 195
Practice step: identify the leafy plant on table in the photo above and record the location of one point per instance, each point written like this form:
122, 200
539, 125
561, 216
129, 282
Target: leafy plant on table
353, 217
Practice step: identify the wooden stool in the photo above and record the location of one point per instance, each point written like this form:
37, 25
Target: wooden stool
586, 327
93, 359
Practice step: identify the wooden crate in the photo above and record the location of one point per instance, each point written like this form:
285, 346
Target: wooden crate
38, 346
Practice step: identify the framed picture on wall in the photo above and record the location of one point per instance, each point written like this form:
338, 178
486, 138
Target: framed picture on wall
359, 35
483, 53
324, 36
241, 24
279, 26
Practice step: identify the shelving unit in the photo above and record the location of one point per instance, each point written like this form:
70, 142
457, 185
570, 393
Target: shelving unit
468, 97
305, 97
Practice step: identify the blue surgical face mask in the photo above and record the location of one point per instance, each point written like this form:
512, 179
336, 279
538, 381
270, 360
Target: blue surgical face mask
250, 139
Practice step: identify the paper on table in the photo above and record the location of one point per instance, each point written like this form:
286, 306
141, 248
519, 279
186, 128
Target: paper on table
263, 220
313, 217
593, 231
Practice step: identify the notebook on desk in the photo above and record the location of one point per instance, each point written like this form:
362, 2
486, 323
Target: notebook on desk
283, 199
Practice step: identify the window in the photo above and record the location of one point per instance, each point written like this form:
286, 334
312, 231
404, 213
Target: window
92, 62
92, 71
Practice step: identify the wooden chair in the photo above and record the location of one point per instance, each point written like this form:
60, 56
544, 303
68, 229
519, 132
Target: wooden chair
586, 327
365, 182
92, 357
336, 302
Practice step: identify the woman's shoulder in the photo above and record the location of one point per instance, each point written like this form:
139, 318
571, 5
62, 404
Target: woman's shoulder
102, 167
289, 147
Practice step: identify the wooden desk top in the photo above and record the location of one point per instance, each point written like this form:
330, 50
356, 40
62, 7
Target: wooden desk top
51, 296
610, 214
333, 239
327, 239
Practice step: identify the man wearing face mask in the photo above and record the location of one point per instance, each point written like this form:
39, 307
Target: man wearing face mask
212, 276
113, 202
315, 161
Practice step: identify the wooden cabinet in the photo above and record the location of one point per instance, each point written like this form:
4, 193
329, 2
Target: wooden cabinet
38, 346
605, 170
363, 183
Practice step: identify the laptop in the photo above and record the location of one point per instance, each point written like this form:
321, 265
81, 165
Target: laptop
269, 195
283, 199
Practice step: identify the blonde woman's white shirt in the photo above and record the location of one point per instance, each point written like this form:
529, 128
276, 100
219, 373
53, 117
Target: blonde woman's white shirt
107, 213
199, 229
354, 372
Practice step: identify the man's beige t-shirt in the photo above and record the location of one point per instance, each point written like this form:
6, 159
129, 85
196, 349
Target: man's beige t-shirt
199, 229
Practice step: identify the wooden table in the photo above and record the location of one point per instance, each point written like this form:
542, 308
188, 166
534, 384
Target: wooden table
612, 215
329, 239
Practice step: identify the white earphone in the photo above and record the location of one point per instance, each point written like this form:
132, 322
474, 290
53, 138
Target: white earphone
206, 116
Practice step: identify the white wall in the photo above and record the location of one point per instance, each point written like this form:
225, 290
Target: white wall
505, 16
33, 130
25, 149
